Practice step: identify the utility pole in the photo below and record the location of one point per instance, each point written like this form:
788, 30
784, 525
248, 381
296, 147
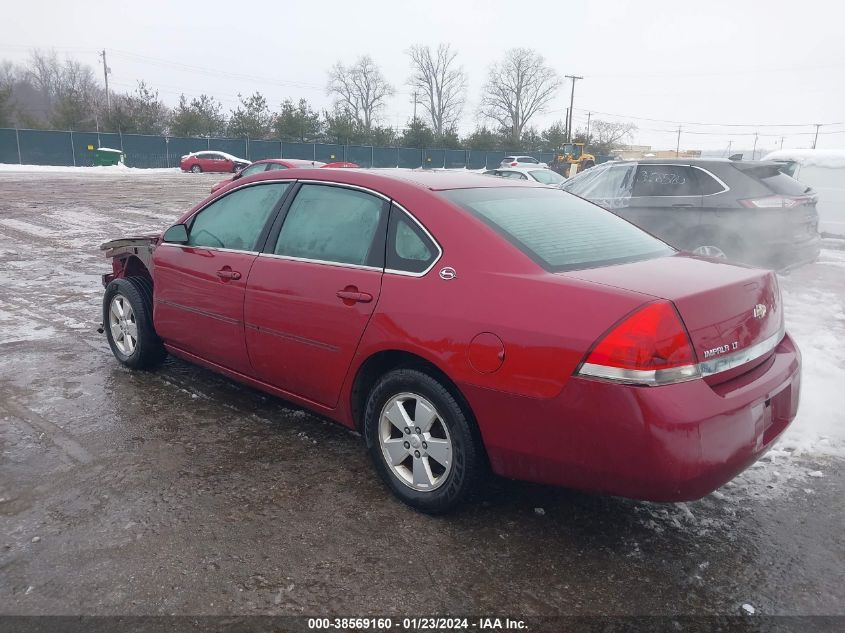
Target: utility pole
678, 146
415, 108
574, 78
106, 71
781, 142
567, 125
754, 151
589, 115
729, 147
816, 138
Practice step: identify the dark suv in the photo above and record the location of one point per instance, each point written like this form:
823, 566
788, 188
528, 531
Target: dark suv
745, 211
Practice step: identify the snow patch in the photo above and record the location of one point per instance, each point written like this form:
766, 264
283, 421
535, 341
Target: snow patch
105, 169
830, 158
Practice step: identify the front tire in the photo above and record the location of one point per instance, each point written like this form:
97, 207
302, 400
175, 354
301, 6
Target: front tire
128, 322
196, 169
422, 442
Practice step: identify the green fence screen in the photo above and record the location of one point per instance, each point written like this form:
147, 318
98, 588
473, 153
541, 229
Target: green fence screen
50, 147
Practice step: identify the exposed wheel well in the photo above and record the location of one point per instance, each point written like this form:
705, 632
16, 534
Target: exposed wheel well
133, 267
379, 364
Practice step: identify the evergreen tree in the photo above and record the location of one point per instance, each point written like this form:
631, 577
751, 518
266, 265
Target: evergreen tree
297, 122
202, 116
252, 118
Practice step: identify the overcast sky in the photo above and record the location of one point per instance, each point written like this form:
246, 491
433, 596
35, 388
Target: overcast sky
754, 63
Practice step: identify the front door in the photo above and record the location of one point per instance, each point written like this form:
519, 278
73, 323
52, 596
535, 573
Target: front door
199, 286
665, 201
311, 293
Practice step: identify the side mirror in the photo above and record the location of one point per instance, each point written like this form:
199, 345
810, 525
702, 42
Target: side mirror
176, 234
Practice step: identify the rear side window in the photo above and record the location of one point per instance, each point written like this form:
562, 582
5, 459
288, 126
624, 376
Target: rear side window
557, 230
236, 220
665, 180
334, 224
707, 184
254, 169
409, 249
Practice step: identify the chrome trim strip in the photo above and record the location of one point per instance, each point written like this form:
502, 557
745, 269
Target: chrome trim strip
343, 184
646, 377
320, 261
209, 248
651, 378
724, 363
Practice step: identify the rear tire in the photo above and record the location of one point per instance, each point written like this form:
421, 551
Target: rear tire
713, 243
128, 322
436, 462
196, 169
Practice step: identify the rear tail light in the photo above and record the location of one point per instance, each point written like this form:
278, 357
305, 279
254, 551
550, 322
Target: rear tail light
649, 347
776, 202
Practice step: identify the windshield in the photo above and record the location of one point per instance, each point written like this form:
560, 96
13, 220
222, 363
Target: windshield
547, 176
557, 230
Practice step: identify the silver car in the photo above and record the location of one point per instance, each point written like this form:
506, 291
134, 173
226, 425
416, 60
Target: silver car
536, 173
521, 161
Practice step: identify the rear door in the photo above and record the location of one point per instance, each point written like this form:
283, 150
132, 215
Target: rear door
311, 293
199, 289
665, 201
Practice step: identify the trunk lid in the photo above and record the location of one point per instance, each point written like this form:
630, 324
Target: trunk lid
732, 312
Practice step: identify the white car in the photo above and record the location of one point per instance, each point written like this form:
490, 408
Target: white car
536, 173
521, 161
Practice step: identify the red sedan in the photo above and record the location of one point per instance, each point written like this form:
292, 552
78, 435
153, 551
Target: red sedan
273, 164
462, 323
211, 161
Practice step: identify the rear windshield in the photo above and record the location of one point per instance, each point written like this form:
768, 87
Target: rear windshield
774, 179
558, 230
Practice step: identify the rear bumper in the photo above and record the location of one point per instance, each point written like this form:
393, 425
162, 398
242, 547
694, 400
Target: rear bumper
670, 443
784, 255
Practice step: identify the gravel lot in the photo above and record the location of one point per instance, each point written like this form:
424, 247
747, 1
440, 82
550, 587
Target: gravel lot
182, 492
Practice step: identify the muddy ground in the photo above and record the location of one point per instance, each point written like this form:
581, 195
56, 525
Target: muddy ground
181, 492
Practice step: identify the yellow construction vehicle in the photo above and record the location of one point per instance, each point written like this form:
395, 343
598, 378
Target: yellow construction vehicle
572, 154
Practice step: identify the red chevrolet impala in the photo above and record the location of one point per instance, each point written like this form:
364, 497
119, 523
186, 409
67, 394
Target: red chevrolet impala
465, 323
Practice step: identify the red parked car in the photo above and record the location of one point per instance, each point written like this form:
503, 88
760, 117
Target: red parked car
269, 164
462, 322
212, 161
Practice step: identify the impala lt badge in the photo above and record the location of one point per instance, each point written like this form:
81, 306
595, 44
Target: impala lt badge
760, 311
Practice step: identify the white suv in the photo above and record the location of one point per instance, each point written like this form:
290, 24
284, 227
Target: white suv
522, 161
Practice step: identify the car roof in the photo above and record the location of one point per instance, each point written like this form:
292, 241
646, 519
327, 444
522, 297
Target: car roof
433, 180
702, 162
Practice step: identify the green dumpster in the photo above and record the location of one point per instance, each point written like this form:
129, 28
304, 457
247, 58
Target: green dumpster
107, 156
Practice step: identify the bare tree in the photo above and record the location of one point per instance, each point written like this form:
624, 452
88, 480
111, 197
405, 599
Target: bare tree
441, 84
360, 90
607, 135
518, 88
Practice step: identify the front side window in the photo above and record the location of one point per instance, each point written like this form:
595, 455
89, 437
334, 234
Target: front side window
236, 220
334, 224
558, 231
603, 182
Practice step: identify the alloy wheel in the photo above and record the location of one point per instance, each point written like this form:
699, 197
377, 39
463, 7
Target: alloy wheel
415, 442
123, 326
710, 251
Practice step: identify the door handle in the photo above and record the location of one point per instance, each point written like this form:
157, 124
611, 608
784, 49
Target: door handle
227, 273
351, 295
